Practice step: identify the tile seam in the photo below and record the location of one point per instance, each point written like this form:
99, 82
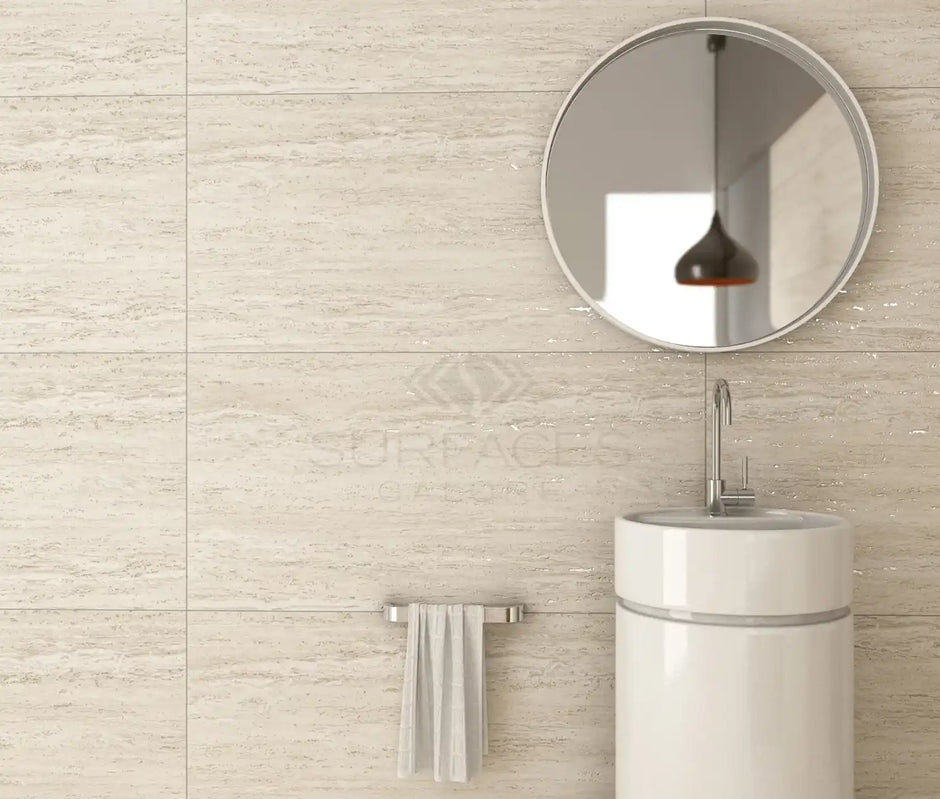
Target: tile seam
125, 353
340, 611
354, 93
186, 401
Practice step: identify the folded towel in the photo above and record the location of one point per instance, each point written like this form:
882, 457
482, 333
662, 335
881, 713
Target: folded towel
443, 707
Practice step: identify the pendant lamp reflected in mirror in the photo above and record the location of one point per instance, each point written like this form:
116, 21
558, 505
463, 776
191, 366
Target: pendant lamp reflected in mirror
716, 259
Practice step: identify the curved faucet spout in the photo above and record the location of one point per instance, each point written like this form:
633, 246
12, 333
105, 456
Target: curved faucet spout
721, 400
721, 414
715, 496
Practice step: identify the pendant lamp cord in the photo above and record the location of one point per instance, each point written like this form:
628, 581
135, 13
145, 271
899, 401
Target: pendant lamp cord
716, 131
716, 44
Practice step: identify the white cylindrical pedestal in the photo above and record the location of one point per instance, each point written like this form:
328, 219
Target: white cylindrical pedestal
734, 662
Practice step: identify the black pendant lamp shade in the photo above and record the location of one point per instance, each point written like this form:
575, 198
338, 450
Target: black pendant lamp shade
716, 260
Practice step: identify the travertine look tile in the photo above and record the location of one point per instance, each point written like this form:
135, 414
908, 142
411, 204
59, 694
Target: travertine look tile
855, 434
92, 491
403, 222
408, 45
897, 700
319, 696
890, 302
310, 703
338, 482
283, 259
93, 705
92, 226
93, 47
876, 43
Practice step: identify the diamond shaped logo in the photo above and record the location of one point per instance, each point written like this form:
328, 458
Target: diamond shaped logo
469, 381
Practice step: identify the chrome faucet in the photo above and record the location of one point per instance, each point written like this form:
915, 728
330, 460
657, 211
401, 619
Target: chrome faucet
716, 498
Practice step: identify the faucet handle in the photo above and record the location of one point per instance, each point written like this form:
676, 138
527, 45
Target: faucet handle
740, 497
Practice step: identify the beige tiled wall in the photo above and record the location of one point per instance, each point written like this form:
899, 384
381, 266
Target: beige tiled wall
282, 338
308, 703
334, 482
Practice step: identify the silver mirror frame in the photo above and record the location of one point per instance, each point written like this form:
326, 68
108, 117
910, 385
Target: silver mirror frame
814, 65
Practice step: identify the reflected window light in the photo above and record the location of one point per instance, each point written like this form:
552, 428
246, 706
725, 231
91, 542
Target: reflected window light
675, 649
646, 234
675, 578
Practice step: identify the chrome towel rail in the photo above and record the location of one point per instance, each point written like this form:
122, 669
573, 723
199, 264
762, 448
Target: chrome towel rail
492, 614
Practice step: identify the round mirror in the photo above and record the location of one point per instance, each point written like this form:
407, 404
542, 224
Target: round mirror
709, 185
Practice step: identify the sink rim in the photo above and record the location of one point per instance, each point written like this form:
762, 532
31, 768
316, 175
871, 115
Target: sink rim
763, 519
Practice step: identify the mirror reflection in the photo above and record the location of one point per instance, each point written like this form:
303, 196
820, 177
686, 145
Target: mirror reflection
705, 190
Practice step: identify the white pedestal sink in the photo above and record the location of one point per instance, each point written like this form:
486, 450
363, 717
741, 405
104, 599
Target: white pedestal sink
734, 655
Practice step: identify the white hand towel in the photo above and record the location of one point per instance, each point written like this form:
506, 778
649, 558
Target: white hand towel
443, 707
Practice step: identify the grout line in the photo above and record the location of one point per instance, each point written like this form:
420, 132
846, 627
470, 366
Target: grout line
148, 353
705, 428
90, 610
541, 352
368, 93
438, 352
76, 353
186, 404
267, 610
455, 352
85, 96
380, 611
394, 92
442, 92
339, 611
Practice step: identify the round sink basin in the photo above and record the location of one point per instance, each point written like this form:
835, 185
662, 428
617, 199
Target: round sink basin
752, 562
